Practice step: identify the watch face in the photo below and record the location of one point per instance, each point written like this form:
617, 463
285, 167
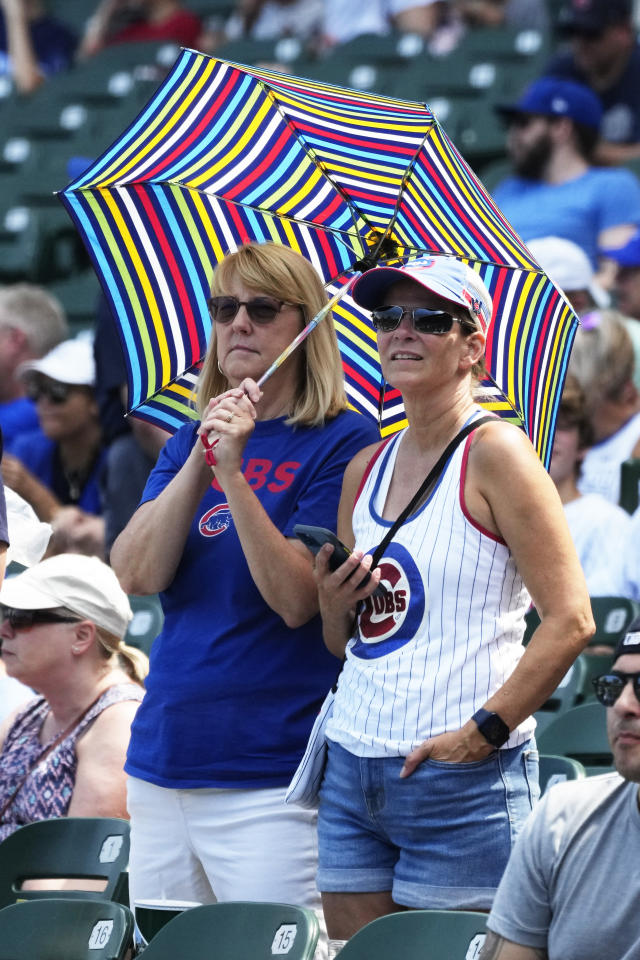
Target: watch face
493, 728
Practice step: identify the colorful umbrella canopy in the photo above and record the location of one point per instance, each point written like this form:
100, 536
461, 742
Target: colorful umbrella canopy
224, 154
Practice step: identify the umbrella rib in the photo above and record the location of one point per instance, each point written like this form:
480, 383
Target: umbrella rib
405, 180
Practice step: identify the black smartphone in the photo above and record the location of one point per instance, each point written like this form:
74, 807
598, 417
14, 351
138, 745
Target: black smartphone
315, 537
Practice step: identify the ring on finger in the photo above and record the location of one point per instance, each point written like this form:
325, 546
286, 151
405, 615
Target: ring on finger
230, 417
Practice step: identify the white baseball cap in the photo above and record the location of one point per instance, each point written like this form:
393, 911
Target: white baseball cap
445, 276
70, 362
84, 585
568, 266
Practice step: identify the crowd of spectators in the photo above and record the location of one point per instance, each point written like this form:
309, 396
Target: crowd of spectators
571, 138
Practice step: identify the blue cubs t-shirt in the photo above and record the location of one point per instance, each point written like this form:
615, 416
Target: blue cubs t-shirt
232, 691
577, 210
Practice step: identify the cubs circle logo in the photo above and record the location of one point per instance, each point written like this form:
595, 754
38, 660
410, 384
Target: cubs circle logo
215, 521
391, 619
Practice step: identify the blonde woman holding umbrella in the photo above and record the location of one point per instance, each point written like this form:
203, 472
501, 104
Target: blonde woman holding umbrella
239, 670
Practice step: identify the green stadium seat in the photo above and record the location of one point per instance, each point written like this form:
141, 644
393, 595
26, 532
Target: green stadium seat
630, 485
580, 734
237, 931
79, 295
509, 44
286, 50
38, 243
62, 929
612, 616
567, 695
597, 664
90, 848
419, 935
557, 770
147, 622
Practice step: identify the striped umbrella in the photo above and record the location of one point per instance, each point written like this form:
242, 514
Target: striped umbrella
224, 154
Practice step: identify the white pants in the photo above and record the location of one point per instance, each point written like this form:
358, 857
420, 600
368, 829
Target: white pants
211, 844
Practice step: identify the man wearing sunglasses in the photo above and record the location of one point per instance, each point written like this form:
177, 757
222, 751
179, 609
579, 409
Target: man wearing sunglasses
568, 891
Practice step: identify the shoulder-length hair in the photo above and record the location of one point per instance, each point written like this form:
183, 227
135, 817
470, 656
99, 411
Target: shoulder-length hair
282, 273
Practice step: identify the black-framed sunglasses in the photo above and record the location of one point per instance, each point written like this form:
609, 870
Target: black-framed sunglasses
609, 686
24, 619
387, 319
261, 310
53, 390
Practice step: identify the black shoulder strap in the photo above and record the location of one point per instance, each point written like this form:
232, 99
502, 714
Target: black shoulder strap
430, 479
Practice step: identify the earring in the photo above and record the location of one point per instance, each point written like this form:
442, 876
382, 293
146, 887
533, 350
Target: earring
75, 649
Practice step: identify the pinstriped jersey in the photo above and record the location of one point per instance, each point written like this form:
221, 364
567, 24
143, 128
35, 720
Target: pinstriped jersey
446, 634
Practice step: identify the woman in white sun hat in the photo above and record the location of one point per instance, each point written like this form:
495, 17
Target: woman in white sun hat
62, 754
432, 767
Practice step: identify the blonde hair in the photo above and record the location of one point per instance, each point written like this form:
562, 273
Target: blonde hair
134, 662
282, 273
602, 359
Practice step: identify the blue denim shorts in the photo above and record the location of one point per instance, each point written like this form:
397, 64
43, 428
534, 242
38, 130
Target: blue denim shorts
439, 839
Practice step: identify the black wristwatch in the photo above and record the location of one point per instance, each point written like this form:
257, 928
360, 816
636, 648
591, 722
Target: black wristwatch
492, 727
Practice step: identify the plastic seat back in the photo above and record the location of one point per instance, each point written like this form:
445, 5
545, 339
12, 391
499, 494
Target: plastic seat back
581, 734
420, 935
612, 616
630, 485
557, 770
237, 930
566, 695
147, 621
82, 848
60, 929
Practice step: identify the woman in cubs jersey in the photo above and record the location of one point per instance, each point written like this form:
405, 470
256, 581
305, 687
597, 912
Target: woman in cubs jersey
431, 764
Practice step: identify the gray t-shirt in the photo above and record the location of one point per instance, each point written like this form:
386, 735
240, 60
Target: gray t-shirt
570, 886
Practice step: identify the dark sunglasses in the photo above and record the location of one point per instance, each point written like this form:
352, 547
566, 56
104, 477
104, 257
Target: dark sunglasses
260, 309
53, 390
386, 319
609, 686
24, 619
521, 120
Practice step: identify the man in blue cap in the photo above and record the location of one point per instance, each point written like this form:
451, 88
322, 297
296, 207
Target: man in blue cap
556, 191
568, 891
604, 55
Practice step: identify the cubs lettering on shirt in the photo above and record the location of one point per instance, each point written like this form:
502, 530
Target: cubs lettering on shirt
390, 621
260, 472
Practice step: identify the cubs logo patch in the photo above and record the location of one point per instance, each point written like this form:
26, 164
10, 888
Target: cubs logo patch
389, 621
215, 521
